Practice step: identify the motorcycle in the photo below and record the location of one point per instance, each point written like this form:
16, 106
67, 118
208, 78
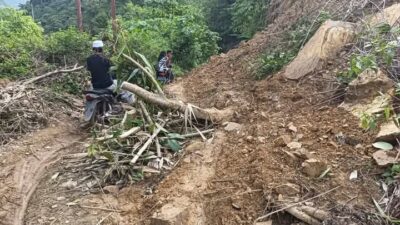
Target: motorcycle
100, 105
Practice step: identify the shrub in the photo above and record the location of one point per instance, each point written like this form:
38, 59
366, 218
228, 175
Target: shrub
161, 25
70, 44
20, 40
248, 16
275, 59
376, 48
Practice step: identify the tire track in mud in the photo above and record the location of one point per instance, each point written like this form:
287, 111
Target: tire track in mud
24, 163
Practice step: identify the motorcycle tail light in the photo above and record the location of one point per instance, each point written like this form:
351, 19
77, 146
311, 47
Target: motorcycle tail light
89, 98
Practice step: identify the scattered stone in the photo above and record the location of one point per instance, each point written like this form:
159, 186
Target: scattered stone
112, 189
385, 158
303, 154
55, 176
195, 146
299, 137
294, 145
71, 204
249, 138
314, 167
388, 132
292, 127
288, 189
61, 198
261, 139
230, 126
282, 141
236, 206
367, 86
70, 184
54, 206
171, 215
359, 146
187, 159
354, 175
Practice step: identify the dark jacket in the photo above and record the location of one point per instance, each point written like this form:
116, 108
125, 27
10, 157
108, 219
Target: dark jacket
99, 67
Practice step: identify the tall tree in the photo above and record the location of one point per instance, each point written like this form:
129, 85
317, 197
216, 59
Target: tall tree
113, 16
79, 14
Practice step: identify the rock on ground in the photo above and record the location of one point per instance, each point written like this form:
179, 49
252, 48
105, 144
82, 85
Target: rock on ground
288, 189
171, 214
327, 42
282, 141
314, 167
367, 86
388, 132
230, 126
375, 106
390, 15
385, 158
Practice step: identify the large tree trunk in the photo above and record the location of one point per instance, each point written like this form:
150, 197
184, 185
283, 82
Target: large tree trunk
165, 103
79, 15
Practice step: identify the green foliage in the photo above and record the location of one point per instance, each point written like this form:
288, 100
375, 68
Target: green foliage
71, 84
69, 44
358, 64
387, 112
368, 122
248, 16
160, 25
275, 59
20, 39
54, 15
218, 15
391, 173
273, 62
377, 49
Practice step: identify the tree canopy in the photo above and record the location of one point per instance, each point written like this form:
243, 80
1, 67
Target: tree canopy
20, 39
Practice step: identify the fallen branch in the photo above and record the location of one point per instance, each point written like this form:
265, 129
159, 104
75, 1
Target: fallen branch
100, 208
33, 80
295, 204
199, 133
124, 135
165, 103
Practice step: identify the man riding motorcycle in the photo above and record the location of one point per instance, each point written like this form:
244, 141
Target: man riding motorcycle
99, 67
100, 98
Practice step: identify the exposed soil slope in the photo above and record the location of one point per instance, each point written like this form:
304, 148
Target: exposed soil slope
229, 180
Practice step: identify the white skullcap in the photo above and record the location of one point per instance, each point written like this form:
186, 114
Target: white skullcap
98, 44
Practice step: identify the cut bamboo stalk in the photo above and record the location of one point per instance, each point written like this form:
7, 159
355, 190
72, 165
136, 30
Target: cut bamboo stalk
294, 211
149, 75
146, 145
146, 113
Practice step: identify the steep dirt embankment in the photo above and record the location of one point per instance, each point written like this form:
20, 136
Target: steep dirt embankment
276, 112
